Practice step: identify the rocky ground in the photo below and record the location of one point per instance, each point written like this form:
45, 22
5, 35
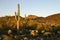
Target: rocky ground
29, 35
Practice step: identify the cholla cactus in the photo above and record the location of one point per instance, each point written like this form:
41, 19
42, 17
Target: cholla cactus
34, 32
9, 32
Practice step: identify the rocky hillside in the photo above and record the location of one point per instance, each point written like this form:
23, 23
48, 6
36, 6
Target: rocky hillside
9, 21
53, 18
32, 17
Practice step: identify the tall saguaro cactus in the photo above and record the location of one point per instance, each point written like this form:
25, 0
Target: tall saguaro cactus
17, 17
18, 11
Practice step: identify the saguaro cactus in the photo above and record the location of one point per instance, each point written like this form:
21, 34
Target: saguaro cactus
17, 17
25, 16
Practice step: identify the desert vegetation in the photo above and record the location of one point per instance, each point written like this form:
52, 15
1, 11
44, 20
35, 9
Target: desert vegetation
30, 28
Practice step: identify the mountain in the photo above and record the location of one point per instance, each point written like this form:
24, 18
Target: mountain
54, 18
11, 22
31, 17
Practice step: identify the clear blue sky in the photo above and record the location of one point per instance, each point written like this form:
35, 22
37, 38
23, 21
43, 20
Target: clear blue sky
34, 7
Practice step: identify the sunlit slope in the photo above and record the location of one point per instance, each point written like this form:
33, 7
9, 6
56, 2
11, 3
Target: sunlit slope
30, 21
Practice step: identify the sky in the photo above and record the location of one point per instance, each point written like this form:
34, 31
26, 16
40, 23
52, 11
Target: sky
30, 7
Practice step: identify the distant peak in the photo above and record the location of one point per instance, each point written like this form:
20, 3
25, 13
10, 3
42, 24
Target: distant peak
32, 16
